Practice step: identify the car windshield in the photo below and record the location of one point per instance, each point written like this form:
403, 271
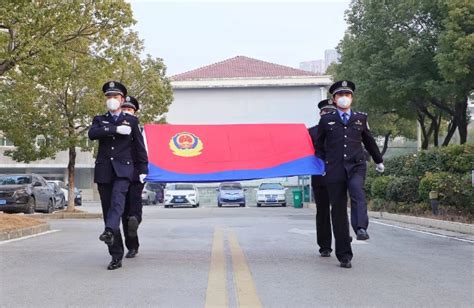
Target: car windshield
154, 185
15, 179
271, 186
231, 187
180, 187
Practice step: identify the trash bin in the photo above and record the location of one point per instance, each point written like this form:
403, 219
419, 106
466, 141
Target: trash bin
306, 193
297, 198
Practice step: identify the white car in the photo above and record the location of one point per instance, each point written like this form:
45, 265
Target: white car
181, 194
271, 193
148, 195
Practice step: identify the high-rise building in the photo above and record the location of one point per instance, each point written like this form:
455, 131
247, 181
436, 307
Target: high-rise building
316, 66
330, 56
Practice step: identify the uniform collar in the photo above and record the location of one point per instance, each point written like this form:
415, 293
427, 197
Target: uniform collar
349, 112
118, 113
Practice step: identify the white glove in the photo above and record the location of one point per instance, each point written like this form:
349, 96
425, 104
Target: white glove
124, 130
142, 178
380, 168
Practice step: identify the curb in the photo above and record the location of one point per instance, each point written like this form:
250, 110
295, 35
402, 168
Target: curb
426, 222
66, 215
421, 221
17, 233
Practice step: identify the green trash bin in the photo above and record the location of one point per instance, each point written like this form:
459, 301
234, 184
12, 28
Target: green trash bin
306, 193
297, 198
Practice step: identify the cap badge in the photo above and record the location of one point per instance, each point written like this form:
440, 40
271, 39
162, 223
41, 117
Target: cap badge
344, 83
128, 98
112, 84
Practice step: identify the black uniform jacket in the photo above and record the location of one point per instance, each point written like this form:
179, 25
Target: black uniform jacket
340, 145
316, 180
119, 154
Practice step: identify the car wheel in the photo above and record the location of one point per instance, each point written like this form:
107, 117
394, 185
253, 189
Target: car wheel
197, 205
283, 204
259, 205
50, 208
242, 205
219, 204
194, 205
30, 206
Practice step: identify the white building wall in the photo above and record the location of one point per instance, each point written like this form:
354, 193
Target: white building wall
246, 105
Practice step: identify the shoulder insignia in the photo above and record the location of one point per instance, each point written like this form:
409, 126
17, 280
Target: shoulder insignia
106, 122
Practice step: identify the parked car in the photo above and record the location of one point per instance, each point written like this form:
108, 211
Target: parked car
148, 195
25, 193
63, 187
59, 197
230, 193
158, 188
271, 193
181, 194
77, 197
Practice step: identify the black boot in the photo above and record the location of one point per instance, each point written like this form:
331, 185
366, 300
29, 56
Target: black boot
107, 237
114, 264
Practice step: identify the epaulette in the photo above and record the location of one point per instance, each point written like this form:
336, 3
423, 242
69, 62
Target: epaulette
360, 112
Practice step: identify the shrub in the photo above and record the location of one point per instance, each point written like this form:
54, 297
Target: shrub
453, 189
379, 186
403, 189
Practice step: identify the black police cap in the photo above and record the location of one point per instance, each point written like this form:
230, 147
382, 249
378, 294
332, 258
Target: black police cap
114, 87
131, 102
326, 104
342, 86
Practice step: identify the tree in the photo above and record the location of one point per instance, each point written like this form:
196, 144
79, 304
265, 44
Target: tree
56, 97
390, 51
30, 30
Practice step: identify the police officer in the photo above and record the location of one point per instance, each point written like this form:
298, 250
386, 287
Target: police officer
119, 138
323, 218
132, 215
339, 142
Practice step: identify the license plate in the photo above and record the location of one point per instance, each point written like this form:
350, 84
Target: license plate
179, 200
271, 200
3, 202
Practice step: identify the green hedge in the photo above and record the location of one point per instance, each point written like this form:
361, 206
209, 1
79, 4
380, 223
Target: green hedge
408, 179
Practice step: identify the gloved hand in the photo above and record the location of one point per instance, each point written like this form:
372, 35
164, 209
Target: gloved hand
142, 178
380, 168
124, 130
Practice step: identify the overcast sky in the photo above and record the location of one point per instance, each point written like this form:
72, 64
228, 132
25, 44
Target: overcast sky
191, 34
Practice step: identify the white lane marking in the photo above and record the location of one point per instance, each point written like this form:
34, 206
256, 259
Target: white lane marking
312, 232
423, 232
27, 237
302, 231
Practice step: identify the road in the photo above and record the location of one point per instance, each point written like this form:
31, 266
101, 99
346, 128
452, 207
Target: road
233, 257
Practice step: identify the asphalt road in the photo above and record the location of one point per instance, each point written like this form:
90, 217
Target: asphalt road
235, 257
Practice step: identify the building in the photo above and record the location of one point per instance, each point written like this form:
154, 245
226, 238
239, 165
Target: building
320, 66
246, 90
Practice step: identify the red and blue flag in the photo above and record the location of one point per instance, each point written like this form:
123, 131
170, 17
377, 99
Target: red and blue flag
218, 153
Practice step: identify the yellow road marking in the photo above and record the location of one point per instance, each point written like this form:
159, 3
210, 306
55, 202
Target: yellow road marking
216, 295
243, 281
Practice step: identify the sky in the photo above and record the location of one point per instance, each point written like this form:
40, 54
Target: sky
190, 34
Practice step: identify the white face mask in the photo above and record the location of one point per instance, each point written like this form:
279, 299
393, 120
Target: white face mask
344, 102
113, 104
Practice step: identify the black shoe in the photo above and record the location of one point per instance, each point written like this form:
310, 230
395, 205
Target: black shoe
362, 235
132, 226
114, 264
346, 264
131, 253
107, 237
325, 253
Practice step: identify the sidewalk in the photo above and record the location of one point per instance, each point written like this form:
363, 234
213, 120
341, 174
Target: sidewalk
422, 221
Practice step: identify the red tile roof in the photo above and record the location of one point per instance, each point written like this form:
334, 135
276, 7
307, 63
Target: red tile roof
241, 67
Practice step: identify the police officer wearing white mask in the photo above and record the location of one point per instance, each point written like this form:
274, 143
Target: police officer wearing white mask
120, 146
340, 141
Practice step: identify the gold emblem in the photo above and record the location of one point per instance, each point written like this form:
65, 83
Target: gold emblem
186, 144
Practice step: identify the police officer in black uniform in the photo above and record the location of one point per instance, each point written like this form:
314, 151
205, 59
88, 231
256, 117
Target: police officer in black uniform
323, 218
132, 215
339, 142
119, 138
